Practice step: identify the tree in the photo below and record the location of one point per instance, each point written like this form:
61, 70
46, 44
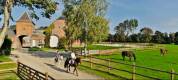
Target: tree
166, 38
85, 20
176, 38
158, 37
47, 32
135, 38
125, 28
48, 7
146, 34
172, 37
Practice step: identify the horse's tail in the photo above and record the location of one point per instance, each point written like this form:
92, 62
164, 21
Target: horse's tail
134, 56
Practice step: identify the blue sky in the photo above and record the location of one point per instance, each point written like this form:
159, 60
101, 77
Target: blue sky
159, 15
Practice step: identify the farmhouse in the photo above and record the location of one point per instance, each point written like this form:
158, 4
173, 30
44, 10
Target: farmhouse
58, 33
25, 34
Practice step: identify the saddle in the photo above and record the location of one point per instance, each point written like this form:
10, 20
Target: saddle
72, 61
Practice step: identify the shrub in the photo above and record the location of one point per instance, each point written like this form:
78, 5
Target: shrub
6, 47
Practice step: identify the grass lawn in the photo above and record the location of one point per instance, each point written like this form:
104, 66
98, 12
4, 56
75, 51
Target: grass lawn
148, 58
7, 75
4, 58
99, 47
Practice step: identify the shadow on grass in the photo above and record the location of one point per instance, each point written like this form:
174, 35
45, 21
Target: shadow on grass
105, 72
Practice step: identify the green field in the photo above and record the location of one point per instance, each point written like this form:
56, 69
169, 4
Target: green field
7, 75
148, 58
100, 47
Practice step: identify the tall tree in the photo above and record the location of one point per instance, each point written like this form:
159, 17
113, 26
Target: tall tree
158, 37
125, 28
172, 37
84, 18
146, 34
48, 7
176, 38
47, 32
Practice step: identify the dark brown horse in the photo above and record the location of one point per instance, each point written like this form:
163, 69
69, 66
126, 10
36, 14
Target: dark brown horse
163, 51
129, 54
68, 63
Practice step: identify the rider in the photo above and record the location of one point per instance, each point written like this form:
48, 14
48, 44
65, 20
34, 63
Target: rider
73, 57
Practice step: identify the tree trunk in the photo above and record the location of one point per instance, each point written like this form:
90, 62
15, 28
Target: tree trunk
5, 24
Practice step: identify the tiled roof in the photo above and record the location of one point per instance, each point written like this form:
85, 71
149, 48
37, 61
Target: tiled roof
25, 18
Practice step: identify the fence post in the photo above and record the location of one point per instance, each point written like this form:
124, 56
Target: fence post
108, 65
18, 64
133, 71
99, 52
90, 61
172, 74
46, 76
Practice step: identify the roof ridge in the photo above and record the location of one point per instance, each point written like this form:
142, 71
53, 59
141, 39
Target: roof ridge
25, 17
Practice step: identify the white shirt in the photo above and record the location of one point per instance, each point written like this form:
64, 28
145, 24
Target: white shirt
73, 55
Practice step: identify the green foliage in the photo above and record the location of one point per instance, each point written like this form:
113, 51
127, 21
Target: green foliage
6, 47
162, 38
85, 20
135, 38
47, 32
47, 7
124, 29
62, 43
146, 34
176, 38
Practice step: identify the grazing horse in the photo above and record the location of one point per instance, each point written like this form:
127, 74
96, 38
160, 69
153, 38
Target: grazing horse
129, 54
69, 63
163, 51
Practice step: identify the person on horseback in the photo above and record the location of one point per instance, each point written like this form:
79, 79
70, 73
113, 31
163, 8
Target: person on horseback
73, 57
58, 57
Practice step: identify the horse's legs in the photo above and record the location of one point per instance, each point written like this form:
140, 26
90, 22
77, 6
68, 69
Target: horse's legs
76, 71
123, 58
130, 58
69, 67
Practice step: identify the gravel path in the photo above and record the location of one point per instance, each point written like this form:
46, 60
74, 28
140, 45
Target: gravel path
44, 62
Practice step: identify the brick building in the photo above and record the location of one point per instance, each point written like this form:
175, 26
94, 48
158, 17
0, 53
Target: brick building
26, 34
58, 32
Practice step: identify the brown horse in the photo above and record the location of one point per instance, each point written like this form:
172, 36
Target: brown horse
163, 51
129, 54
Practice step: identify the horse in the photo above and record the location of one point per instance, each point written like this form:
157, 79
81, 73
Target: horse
69, 63
58, 58
129, 54
163, 51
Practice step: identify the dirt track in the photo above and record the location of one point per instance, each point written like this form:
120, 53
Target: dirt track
44, 62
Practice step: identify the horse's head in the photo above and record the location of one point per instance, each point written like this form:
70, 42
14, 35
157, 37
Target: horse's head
78, 60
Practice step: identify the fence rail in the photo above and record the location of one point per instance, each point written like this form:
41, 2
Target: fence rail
27, 73
172, 73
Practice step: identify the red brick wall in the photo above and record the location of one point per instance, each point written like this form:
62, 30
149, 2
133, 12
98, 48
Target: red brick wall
24, 28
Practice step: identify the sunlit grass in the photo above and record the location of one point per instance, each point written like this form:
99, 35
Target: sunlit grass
148, 58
